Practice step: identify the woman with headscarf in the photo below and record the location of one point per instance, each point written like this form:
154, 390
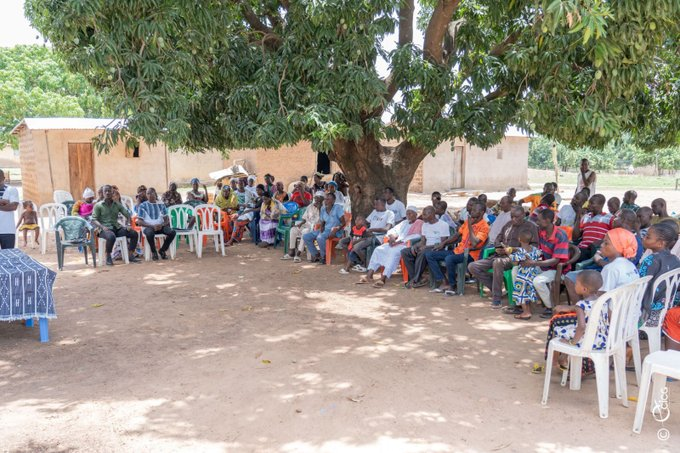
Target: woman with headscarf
269, 220
84, 207
171, 197
195, 194
618, 246
388, 254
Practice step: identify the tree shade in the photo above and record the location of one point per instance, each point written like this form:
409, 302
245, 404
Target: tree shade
229, 74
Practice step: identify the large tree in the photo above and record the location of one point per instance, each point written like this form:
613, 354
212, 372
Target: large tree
228, 74
33, 82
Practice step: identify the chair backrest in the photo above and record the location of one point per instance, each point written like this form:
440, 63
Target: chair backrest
193, 203
624, 305
291, 207
669, 283
72, 228
209, 217
50, 214
61, 196
69, 206
179, 216
128, 202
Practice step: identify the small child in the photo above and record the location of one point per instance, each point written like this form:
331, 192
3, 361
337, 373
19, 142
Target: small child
358, 233
29, 221
614, 206
588, 284
629, 201
644, 215
523, 291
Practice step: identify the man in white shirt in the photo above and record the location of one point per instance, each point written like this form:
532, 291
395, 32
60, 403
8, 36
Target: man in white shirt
433, 232
9, 201
567, 215
502, 219
586, 178
379, 221
394, 205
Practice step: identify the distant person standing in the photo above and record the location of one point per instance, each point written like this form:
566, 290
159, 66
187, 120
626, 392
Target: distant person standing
9, 201
586, 178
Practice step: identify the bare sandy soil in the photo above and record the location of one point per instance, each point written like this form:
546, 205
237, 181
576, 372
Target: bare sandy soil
249, 353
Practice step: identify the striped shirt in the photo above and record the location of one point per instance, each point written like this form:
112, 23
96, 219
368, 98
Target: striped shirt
555, 246
152, 213
594, 228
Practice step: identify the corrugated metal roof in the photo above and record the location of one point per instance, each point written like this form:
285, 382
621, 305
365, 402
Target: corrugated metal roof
513, 131
69, 123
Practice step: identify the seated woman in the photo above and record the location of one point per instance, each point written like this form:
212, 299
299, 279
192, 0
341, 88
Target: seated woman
388, 254
84, 207
249, 204
195, 194
618, 246
171, 197
660, 238
269, 220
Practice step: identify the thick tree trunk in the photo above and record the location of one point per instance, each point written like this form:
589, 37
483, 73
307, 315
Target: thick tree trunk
370, 167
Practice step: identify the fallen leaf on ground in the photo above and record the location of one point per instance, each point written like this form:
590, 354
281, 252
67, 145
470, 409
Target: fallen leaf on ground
500, 447
299, 411
97, 305
356, 399
266, 362
247, 308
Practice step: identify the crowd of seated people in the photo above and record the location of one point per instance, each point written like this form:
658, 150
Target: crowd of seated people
534, 238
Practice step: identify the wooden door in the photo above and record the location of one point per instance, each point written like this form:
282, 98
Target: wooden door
81, 168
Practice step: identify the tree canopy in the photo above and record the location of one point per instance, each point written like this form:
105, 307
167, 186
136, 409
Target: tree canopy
34, 83
230, 74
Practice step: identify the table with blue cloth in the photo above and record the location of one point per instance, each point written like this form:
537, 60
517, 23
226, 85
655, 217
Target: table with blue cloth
26, 290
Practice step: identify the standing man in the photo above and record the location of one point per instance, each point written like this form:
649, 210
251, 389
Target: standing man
500, 261
586, 178
153, 217
9, 201
105, 217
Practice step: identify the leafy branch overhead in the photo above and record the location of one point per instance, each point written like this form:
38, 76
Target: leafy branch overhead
230, 74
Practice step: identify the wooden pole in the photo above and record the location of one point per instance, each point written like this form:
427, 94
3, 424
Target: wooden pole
555, 164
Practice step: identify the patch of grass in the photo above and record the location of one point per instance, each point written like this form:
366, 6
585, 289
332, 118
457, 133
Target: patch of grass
604, 180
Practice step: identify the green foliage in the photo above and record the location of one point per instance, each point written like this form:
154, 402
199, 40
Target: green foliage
230, 74
618, 154
34, 83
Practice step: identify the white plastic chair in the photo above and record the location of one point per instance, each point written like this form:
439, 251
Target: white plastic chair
179, 220
159, 238
49, 215
624, 303
128, 202
658, 366
61, 196
209, 219
121, 242
671, 282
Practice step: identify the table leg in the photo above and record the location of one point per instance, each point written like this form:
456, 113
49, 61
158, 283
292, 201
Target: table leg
29, 322
44, 330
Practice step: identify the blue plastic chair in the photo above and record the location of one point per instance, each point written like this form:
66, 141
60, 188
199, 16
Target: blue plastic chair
286, 222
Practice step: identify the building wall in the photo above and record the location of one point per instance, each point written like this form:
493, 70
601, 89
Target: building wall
182, 167
29, 167
498, 168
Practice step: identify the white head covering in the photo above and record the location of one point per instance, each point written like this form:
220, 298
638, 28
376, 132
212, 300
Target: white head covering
412, 208
88, 193
252, 178
320, 193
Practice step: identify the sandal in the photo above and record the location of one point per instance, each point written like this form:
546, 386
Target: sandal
362, 281
512, 310
522, 317
379, 284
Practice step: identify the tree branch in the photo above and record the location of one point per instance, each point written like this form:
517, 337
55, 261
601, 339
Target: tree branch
503, 46
436, 30
270, 39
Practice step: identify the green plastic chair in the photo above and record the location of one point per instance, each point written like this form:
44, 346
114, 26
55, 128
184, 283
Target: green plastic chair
75, 232
507, 277
286, 222
179, 221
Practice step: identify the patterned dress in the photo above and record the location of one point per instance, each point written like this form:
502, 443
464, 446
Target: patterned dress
655, 265
568, 331
523, 291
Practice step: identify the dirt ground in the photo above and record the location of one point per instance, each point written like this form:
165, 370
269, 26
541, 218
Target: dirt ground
248, 353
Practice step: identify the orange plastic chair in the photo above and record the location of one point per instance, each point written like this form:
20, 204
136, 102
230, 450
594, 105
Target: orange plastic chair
332, 242
567, 230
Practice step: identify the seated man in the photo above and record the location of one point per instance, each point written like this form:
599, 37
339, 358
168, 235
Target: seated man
644, 216
105, 218
433, 232
535, 198
503, 217
500, 261
441, 211
567, 215
153, 218
547, 201
332, 224
554, 246
472, 236
172, 197
660, 212
309, 220
301, 195
394, 205
592, 227
379, 221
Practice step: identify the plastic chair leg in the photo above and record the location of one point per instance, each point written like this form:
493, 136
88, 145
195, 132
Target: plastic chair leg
653, 338
44, 330
29, 323
658, 385
620, 376
548, 373
507, 278
575, 369
637, 358
642, 398
199, 246
602, 380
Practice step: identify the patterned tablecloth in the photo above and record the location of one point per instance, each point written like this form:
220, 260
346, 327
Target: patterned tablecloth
25, 287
